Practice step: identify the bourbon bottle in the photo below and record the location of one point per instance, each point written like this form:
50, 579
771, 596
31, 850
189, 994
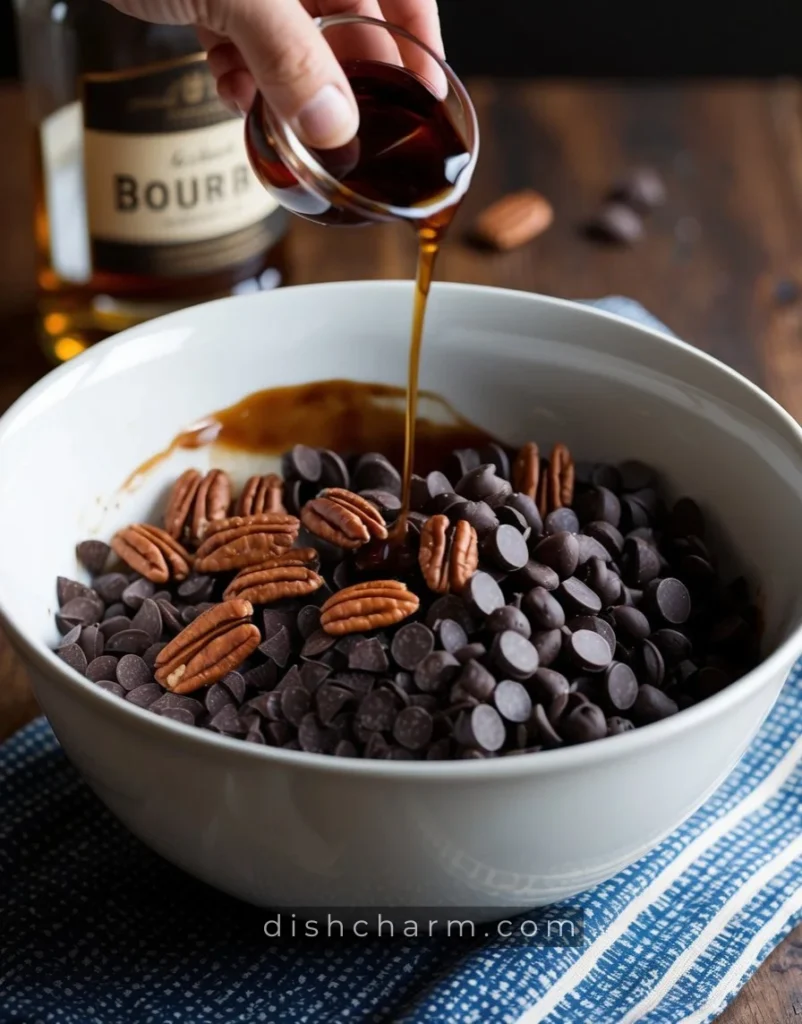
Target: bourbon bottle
145, 200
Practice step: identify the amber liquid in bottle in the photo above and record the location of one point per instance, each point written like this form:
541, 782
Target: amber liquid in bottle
408, 154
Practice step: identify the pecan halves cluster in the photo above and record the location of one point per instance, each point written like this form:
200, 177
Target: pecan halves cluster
196, 501
152, 552
365, 606
210, 647
343, 518
551, 484
261, 494
448, 556
291, 574
241, 541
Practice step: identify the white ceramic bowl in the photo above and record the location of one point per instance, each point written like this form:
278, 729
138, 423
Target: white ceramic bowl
283, 828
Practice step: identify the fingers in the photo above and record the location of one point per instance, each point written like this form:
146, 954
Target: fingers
354, 42
420, 18
294, 69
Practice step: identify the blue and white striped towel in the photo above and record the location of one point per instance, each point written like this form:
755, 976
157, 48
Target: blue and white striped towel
96, 929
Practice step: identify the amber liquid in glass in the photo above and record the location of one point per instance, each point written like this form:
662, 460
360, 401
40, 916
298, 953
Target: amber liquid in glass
408, 154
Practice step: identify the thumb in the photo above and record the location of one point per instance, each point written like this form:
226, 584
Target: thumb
294, 69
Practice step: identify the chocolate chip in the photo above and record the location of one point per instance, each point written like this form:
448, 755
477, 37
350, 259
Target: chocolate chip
449, 606
333, 470
651, 705
535, 574
505, 548
474, 650
617, 725
509, 617
144, 696
630, 623
235, 683
302, 462
674, 646
227, 720
604, 475
136, 592
128, 641
671, 600
546, 684
546, 732
640, 562
278, 647
436, 671
543, 610
514, 655
512, 701
385, 502
590, 651
93, 555
149, 619
512, 517
103, 667
475, 681
377, 711
110, 687
590, 550
686, 519
583, 724
561, 520
483, 594
217, 697
295, 702
559, 552
596, 625
528, 508
132, 672
67, 590
482, 727
308, 620
483, 484
607, 535
196, 588
494, 455
578, 597
413, 728
548, 644
650, 663
460, 462
85, 611
92, 641
616, 223
72, 636
374, 471
450, 635
72, 655
411, 644
171, 620
368, 656
620, 687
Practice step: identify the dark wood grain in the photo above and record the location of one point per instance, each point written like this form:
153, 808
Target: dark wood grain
732, 158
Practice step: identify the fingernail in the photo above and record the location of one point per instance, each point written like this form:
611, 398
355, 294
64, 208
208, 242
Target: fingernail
328, 120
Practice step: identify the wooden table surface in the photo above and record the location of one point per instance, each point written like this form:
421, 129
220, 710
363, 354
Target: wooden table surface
731, 155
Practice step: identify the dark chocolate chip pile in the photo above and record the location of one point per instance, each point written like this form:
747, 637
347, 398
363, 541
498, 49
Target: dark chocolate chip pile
585, 617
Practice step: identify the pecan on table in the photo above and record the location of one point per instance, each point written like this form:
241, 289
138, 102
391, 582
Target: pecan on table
290, 574
240, 541
343, 518
152, 552
365, 606
448, 556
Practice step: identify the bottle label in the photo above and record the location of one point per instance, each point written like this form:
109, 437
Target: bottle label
169, 191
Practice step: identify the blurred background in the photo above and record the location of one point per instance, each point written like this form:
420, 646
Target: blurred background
592, 37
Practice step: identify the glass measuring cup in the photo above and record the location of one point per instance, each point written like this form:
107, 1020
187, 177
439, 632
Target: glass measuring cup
416, 147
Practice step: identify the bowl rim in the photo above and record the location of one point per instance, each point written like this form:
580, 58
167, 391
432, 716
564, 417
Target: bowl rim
555, 760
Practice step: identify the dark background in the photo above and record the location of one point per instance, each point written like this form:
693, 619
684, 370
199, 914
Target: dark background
599, 37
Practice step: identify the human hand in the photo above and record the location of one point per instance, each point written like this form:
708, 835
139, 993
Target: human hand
274, 46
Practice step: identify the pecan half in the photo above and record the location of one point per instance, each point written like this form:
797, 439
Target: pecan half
211, 646
560, 490
211, 503
343, 518
526, 469
179, 504
261, 494
152, 552
514, 219
290, 574
240, 541
364, 606
448, 557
